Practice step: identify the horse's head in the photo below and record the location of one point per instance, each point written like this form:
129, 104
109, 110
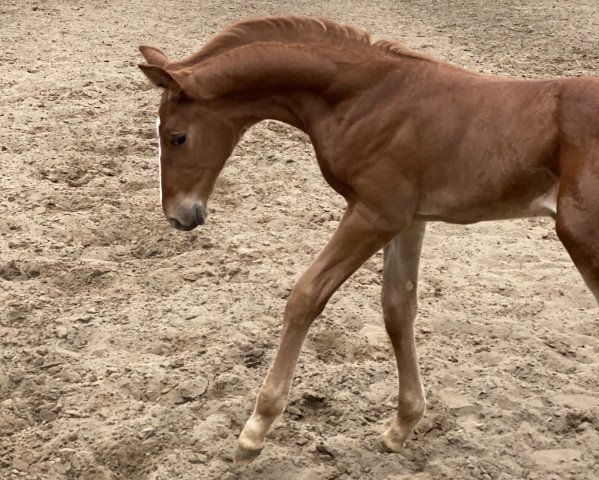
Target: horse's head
195, 139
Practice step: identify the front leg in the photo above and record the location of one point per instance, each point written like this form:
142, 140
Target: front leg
354, 241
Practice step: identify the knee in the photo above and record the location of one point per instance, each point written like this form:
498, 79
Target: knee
305, 303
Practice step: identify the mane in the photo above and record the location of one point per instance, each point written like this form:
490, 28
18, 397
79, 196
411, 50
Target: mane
295, 30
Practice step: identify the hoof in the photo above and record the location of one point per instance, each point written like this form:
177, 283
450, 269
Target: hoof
245, 456
381, 447
387, 446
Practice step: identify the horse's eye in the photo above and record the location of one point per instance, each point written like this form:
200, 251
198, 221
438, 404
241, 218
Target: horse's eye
178, 139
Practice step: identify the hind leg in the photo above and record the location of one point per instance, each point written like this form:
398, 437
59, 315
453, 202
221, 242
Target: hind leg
400, 278
577, 222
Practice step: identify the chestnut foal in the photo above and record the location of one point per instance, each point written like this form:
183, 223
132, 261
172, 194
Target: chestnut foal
403, 138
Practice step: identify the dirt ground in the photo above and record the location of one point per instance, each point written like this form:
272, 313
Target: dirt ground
133, 351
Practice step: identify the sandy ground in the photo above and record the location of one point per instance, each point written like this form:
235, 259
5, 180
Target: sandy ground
132, 351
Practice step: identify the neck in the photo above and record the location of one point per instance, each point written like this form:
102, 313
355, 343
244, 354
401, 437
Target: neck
298, 109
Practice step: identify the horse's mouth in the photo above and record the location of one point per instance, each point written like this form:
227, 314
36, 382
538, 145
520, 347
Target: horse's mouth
186, 228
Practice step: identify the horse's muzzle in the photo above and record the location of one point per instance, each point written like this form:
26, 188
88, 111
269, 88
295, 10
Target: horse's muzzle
189, 219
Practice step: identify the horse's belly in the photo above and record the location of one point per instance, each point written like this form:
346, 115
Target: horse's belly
457, 206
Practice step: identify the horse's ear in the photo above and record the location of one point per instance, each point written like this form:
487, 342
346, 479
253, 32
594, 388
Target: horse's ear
154, 56
160, 77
